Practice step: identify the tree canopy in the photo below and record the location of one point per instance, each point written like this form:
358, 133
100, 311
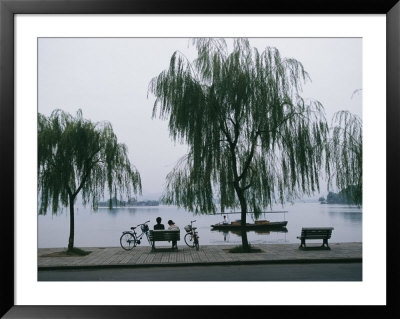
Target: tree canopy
346, 155
244, 121
76, 156
253, 140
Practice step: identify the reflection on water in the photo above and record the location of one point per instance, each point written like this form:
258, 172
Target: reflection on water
350, 216
237, 232
104, 227
130, 210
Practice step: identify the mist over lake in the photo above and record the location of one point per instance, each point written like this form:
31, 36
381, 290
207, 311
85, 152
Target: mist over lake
104, 227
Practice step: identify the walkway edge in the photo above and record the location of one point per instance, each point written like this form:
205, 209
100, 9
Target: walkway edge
248, 262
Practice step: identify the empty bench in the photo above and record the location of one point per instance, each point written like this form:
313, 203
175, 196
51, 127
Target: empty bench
323, 233
163, 235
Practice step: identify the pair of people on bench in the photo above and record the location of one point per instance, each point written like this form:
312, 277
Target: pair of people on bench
171, 224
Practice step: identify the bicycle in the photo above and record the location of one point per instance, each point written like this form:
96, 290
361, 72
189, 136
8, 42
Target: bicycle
130, 239
192, 237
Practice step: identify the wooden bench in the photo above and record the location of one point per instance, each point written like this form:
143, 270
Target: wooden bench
323, 233
163, 235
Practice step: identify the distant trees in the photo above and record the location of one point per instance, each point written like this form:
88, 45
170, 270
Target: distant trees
253, 140
345, 196
76, 156
130, 202
333, 198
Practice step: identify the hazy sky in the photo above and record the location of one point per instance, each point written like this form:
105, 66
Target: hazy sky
108, 79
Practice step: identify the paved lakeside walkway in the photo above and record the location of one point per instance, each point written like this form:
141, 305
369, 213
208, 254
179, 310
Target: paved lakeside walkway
141, 256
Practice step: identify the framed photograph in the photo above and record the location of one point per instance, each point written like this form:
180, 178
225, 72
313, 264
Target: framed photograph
57, 55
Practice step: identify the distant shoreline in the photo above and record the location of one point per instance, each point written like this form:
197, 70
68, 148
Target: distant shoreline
141, 206
130, 203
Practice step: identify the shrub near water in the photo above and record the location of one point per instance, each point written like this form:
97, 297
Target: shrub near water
76, 252
71, 252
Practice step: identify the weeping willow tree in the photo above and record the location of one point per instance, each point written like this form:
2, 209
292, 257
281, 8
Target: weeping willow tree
253, 140
76, 156
346, 155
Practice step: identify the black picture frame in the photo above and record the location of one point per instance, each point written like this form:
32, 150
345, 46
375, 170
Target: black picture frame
8, 8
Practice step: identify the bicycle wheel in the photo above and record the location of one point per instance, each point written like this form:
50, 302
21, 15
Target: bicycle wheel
189, 240
128, 241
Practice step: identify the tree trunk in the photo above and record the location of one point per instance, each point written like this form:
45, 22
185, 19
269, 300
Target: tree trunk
71, 223
243, 206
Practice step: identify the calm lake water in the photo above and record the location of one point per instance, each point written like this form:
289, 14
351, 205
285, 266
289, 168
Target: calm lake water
104, 227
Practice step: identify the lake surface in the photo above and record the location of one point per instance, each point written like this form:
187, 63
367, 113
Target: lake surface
104, 227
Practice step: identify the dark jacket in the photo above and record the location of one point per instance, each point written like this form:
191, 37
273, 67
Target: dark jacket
159, 226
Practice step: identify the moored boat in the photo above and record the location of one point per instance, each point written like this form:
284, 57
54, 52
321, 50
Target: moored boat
256, 225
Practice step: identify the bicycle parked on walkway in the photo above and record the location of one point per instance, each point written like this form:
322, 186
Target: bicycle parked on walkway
130, 239
192, 237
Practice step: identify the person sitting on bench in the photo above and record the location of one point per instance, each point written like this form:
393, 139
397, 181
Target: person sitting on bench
172, 226
158, 226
